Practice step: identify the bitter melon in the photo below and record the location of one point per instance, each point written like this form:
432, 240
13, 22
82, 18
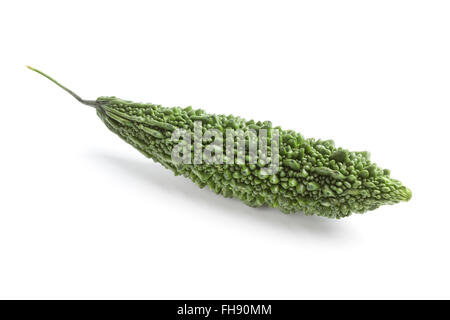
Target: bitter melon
312, 176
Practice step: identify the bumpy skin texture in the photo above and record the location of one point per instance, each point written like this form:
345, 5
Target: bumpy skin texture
315, 177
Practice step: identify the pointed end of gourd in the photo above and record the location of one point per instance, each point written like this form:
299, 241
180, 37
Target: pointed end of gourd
407, 194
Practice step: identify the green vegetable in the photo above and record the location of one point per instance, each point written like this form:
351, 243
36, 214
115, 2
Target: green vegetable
314, 176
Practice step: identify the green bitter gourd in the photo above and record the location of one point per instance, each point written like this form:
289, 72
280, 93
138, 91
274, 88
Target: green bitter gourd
314, 176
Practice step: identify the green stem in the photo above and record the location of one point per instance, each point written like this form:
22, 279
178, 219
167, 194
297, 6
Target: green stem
91, 103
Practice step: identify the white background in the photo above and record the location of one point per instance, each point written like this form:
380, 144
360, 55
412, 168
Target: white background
84, 215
